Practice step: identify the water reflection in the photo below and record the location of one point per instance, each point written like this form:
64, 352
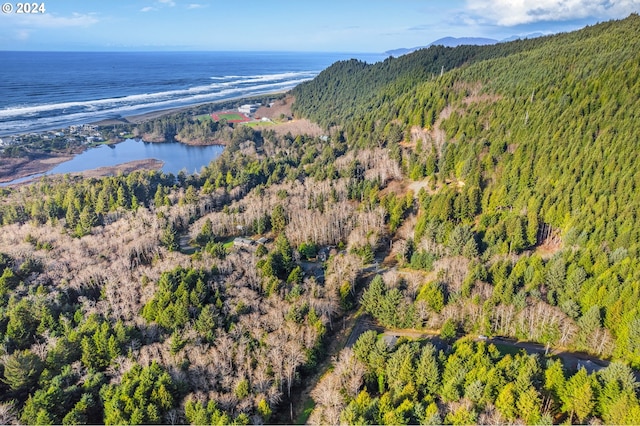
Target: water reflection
176, 157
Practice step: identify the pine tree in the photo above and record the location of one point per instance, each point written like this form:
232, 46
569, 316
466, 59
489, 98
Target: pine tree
21, 370
506, 402
169, 238
278, 219
528, 406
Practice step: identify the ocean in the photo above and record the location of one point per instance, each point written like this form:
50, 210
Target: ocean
52, 90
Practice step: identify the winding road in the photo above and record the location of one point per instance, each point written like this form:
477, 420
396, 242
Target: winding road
571, 360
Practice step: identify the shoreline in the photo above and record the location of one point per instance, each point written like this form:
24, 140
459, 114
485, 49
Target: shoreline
128, 167
139, 118
24, 167
151, 115
30, 166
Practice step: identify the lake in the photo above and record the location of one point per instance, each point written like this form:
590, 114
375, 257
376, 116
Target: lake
176, 157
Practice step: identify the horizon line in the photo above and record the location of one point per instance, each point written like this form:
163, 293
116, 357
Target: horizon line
185, 51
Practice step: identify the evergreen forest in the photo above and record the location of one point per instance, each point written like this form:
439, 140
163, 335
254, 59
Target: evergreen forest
479, 202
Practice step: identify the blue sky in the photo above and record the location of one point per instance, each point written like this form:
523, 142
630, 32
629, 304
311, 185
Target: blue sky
290, 25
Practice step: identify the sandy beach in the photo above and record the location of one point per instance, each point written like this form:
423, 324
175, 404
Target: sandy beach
18, 168
139, 118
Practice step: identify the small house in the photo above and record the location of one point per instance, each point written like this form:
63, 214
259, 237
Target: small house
243, 242
248, 108
390, 340
590, 366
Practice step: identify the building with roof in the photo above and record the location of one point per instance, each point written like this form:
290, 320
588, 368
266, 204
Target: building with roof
248, 108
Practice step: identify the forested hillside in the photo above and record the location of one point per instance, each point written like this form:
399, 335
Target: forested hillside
475, 190
348, 89
528, 209
529, 165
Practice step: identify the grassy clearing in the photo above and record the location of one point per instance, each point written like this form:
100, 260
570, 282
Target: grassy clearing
507, 349
259, 123
228, 243
204, 117
232, 116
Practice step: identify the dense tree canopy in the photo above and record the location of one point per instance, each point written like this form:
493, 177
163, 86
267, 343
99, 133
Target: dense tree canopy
473, 190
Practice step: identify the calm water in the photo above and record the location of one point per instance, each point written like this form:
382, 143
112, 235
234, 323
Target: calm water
176, 157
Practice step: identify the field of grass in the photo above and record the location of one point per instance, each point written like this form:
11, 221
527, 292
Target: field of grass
204, 117
228, 243
232, 116
507, 349
259, 123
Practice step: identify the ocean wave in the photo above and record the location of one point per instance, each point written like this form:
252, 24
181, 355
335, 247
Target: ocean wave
45, 117
225, 77
125, 103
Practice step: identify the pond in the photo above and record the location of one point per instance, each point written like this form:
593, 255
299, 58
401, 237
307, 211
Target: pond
176, 157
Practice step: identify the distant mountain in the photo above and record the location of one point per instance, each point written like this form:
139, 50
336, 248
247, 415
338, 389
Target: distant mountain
446, 42
459, 41
521, 37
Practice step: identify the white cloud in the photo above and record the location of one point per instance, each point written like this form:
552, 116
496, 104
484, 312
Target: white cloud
196, 6
159, 4
48, 20
516, 12
23, 35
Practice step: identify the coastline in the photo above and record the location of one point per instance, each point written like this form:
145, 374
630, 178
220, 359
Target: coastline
128, 167
140, 118
151, 115
23, 167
